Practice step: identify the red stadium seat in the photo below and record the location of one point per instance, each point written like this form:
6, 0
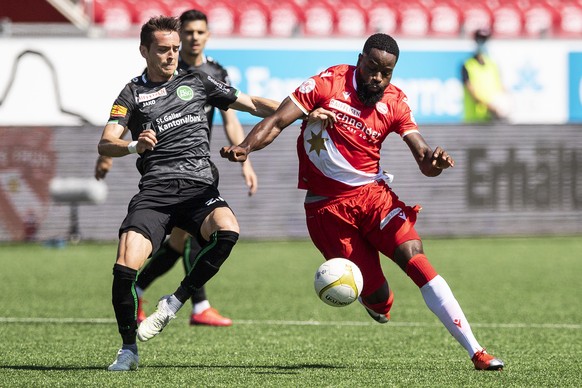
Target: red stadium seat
222, 18
319, 19
253, 19
475, 15
384, 18
143, 10
507, 20
351, 19
414, 19
286, 19
540, 20
113, 16
445, 19
177, 8
570, 20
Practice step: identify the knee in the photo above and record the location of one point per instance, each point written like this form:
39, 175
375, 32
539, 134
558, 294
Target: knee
406, 251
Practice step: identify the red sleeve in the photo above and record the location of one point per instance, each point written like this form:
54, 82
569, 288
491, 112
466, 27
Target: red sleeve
404, 122
309, 95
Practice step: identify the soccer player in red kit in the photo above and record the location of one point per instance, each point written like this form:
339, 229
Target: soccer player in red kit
350, 209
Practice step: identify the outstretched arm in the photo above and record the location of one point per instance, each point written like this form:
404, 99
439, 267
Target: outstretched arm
257, 106
431, 163
235, 134
264, 132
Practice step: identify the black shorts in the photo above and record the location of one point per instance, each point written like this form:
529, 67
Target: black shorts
160, 206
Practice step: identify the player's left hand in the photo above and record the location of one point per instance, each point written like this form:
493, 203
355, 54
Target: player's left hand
327, 117
102, 166
441, 159
250, 177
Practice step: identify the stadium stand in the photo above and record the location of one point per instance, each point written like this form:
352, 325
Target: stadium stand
330, 18
351, 19
319, 19
445, 19
507, 20
414, 19
286, 19
476, 15
383, 19
253, 19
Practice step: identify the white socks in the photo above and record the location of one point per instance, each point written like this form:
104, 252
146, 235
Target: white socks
440, 300
200, 306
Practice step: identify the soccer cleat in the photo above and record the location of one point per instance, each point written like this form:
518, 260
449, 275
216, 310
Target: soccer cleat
126, 360
155, 323
141, 315
484, 361
380, 318
210, 317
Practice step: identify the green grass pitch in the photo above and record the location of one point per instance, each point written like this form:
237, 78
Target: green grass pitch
521, 295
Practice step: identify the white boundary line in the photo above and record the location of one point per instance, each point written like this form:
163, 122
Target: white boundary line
570, 326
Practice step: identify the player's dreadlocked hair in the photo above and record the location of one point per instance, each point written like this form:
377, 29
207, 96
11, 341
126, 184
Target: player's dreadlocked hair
157, 23
382, 42
192, 16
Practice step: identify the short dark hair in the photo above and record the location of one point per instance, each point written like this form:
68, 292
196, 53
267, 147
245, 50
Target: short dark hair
382, 42
192, 16
157, 23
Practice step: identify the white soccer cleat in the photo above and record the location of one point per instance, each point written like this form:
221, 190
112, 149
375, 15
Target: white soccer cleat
126, 360
155, 323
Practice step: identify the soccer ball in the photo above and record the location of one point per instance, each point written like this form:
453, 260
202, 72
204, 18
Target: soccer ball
338, 282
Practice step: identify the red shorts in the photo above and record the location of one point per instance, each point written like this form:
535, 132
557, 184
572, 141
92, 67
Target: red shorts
359, 227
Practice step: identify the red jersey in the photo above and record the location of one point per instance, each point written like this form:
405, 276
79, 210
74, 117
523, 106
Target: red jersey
339, 158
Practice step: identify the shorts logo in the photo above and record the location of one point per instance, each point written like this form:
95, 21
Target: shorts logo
185, 93
213, 200
307, 86
395, 212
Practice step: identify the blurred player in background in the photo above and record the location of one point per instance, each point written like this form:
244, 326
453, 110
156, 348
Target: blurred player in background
485, 98
350, 209
164, 109
194, 34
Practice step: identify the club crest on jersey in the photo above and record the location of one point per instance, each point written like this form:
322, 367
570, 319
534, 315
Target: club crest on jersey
382, 108
307, 86
151, 96
185, 93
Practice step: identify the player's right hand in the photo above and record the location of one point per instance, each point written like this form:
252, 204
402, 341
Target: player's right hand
146, 140
234, 153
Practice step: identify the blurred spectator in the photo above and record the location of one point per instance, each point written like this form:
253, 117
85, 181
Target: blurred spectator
485, 97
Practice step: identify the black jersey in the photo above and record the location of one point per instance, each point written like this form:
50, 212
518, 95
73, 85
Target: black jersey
175, 111
215, 69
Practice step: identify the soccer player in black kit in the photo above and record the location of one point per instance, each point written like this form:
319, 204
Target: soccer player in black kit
164, 110
194, 34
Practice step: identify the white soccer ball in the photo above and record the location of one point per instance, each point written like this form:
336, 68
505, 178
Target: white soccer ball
338, 282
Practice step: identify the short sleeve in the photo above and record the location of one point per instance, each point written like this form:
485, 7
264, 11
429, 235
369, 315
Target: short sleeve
219, 94
122, 108
404, 122
312, 91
